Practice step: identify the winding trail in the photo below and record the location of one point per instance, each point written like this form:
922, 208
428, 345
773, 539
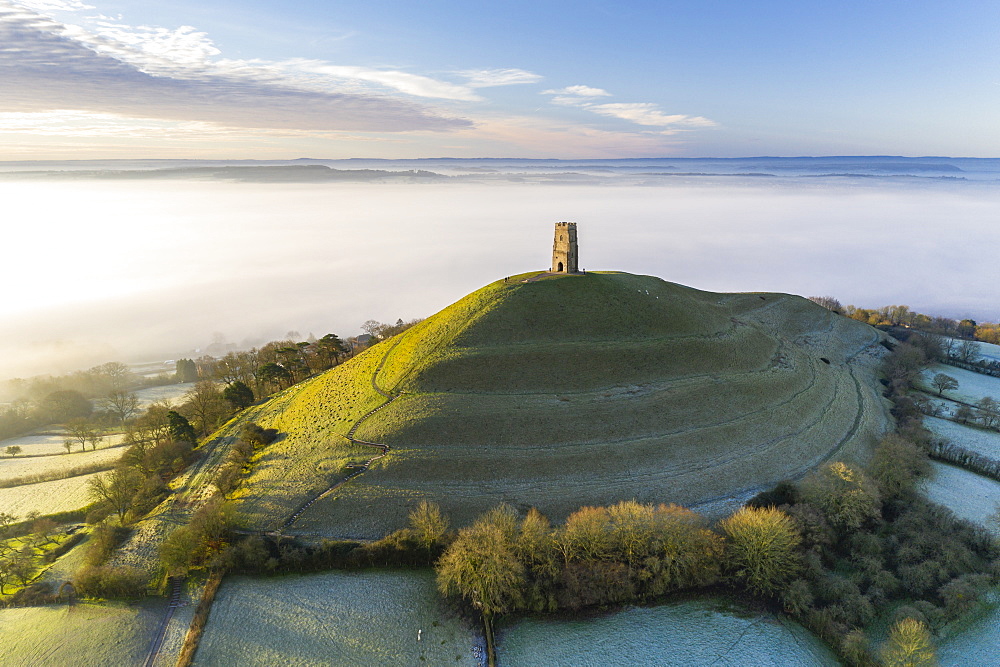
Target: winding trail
357, 468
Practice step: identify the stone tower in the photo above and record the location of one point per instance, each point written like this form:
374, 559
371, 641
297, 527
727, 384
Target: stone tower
564, 253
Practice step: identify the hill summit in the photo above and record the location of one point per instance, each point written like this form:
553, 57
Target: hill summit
569, 390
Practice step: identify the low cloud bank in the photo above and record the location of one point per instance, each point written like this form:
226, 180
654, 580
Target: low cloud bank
131, 270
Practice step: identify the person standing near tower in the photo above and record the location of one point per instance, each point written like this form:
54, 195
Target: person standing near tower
564, 250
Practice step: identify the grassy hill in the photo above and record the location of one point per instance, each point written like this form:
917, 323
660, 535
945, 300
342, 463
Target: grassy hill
573, 390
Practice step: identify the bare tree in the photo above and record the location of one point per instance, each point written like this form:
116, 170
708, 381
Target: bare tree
122, 404
968, 352
117, 488
828, 302
944, 383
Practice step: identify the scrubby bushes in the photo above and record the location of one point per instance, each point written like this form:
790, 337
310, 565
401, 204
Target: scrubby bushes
252, 437
203, 542
104, 581
601, 555
870, 541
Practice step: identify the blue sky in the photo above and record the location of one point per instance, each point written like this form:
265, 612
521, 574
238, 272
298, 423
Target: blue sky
254, 79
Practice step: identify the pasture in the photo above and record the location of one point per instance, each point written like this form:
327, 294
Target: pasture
974, 439
81, 635
51, 443
13, 468
61, 495
968, 495
335, 618
971, 386
695, 632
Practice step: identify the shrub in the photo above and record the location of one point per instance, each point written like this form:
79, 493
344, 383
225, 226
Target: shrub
845, 495
762, 548
111, 582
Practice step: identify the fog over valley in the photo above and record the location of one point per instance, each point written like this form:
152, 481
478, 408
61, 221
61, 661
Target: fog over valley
106, 266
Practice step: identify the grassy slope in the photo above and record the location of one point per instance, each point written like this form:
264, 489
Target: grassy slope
575, 390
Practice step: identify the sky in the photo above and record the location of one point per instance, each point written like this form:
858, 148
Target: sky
545, 78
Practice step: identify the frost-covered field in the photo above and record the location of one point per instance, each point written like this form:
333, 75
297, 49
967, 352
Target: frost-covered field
972, 497
61, 495
695, 632
334, 618
82, 635
965, 493
985, 442
971, 386
977, 645
52, 443
987, 351
42, 465
170, 393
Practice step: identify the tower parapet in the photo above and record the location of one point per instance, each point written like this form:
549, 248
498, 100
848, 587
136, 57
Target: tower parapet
564, 250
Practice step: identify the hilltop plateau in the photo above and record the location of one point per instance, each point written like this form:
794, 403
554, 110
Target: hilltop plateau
557, 392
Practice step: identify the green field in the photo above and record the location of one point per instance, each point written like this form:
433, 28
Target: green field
570, 391
334, 618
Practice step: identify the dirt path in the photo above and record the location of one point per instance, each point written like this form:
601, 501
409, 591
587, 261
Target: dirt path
357, 468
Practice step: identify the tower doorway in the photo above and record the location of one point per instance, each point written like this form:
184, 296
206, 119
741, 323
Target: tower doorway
560, 267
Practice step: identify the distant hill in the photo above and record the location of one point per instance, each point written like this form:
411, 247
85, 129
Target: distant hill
569, 391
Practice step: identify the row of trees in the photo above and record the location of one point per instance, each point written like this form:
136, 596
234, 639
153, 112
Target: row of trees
902, 316
832, 550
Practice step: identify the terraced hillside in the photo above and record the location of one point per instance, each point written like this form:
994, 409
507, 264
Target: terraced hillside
573, 390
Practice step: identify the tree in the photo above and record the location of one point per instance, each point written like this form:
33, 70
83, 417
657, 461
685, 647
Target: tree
61, 406
115, 375
187, 371
84, 432
238, 394
828, 302
762, 548
897, 465
944, 383
964, 413
845, 495
6, 521
967, 328
180, 428
117, 488
429, 523
13, 450
909, 645
274, 375
205, 403
988, 411
122, 404
968, 352
331, 349
482, 566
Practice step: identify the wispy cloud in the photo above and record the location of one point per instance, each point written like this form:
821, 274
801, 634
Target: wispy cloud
646, 113
54, 5
640, 113
157, 73
487, 78
578, 91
